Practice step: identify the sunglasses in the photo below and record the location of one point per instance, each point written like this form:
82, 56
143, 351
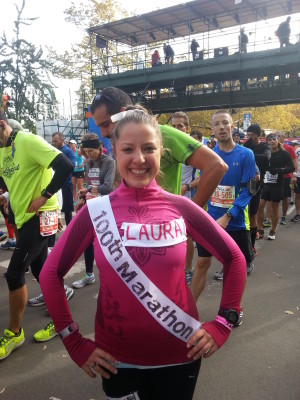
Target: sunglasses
100, 95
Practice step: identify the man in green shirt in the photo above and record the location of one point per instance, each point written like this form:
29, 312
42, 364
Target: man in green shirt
179, 148
25, 165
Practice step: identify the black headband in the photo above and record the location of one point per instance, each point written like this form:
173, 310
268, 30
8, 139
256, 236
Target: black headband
91, 144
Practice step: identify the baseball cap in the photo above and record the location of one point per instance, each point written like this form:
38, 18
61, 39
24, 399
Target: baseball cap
254, 128
73, 141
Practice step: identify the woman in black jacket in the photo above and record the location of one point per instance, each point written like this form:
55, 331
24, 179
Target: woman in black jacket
280, 164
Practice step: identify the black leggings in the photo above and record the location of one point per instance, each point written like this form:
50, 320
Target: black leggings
89, 259
167, 383
31, 249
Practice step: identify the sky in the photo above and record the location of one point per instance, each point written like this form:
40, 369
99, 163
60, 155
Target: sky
51, 29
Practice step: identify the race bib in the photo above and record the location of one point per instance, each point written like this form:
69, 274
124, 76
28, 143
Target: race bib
154, 235
131, 396
48, 222
223, 196
269, 178
90, 196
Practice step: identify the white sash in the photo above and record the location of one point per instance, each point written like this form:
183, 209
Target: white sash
160, 307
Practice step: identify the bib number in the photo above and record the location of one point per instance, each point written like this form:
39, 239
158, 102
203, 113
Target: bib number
223, 196
269, 178
48, 222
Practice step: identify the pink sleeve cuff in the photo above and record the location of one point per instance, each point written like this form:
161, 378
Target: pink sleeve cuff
79, 348
219, 332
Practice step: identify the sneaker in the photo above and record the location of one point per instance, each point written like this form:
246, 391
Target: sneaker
239, 321
9, 342
8, 245
282, 221
250, 268
296, 218
46, 334
271, 235
85, 280
3, 236
260, 234
267, 223
36, 301
39, 300
218, 276
254, 251
188, 276
69, 292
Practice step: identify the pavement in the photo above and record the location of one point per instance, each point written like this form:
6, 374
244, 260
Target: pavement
260, 361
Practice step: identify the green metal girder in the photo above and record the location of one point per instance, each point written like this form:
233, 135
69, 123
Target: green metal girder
234, 67
249, 98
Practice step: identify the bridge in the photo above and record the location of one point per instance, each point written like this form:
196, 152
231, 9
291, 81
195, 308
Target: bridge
222, 76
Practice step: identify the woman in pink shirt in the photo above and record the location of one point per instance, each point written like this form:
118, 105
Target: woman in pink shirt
148, 339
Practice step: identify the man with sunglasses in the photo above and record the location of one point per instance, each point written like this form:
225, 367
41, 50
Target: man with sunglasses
180, 147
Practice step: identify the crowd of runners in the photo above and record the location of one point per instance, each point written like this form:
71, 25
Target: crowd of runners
139, 214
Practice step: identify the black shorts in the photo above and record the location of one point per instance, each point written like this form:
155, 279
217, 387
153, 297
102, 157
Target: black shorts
254, 202
176, 382
11, 215
31, 249
286, 187
78, 174
67, 197
297, 186
274, 193
241, 238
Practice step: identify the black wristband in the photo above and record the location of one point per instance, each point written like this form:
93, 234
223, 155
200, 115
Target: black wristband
189, 188
46, 194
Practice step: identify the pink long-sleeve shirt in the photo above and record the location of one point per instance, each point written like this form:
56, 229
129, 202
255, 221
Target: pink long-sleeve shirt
122, 326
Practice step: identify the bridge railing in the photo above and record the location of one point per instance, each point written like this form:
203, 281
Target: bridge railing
217, 43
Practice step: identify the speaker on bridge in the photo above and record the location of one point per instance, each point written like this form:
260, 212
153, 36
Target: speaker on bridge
221, 51
199, 55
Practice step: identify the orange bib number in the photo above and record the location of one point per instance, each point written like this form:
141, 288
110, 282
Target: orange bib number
223, 196
48, 222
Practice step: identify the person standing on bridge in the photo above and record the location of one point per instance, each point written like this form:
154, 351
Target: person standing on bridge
243, 41
148, 339
283, 33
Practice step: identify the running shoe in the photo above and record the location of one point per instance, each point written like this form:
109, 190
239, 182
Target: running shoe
254, 251
260, 234
69, 292
250, 268
282, 221
218, 276
271, 235
188, 275
8, 245
267, 223
36, 301
3, 236
239, 321
296, 218
9, 342
87, 279
46, 334
39, 300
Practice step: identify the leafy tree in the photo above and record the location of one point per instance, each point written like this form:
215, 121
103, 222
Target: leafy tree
25, 75
76, 62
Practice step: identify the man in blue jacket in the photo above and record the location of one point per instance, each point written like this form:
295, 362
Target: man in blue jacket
228, 204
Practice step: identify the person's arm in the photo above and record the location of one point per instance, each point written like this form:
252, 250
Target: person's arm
76, 238
205, 231
108, 183
62, 167
213, 168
